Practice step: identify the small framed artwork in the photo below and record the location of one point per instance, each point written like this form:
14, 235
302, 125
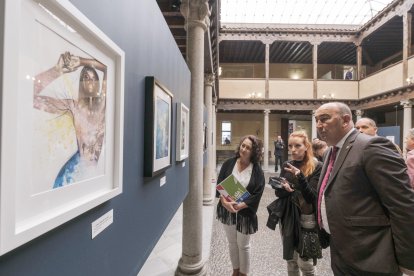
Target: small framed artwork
158, 132
183, 132
62, 118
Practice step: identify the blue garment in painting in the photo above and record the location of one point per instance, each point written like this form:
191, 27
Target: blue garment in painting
66, 173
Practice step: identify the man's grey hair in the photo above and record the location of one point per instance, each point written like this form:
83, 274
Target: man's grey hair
343, 109
369, 120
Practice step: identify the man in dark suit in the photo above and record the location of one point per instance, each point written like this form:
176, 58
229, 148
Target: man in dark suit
369, 127
279, 148
365, 201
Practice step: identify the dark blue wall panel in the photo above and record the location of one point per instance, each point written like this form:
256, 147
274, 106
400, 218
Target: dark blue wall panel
144, 209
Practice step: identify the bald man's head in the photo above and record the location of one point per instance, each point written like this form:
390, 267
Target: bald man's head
333, 122
367, 126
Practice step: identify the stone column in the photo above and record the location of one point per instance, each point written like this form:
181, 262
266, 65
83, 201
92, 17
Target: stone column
266, 140
314, 130
315, 70
196, 14
359, 113
214, 147
406, 44
359, 63
208, 196
407, 104
267, 71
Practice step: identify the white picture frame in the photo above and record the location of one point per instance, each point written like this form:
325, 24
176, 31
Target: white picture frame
183, 132
47, 44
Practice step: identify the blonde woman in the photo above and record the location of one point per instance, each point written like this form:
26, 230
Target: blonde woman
298, 222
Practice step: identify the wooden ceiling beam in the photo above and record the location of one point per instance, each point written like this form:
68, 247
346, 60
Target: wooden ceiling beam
303, 52
179, 32
272, 105
283, 51
383, 99
171, 13
274, 52
304, 37
291, 53
367, 57
175, 20
396, 8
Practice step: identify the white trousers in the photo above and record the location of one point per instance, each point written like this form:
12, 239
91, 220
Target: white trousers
297, 263
239, 247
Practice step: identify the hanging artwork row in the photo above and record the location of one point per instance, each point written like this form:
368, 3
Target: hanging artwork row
158, 133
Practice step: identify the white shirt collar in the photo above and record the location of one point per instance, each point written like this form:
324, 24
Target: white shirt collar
342, 141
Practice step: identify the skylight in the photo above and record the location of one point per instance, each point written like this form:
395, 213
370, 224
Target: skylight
332, 12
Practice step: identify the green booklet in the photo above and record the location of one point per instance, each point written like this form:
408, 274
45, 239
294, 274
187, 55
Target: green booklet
231, 189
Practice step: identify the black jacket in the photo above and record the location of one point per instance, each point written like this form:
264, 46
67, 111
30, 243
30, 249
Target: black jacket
279, 148
246, 218
289, 207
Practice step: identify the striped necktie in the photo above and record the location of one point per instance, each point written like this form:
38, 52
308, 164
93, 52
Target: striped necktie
325, 181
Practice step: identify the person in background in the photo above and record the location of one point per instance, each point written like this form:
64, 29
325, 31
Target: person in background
239, 219
348, 74
319, 147
279, 149
365, 201
409, 141
369, 127
299, 187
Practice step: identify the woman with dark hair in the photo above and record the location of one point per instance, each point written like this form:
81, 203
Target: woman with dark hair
298, 223
239, 219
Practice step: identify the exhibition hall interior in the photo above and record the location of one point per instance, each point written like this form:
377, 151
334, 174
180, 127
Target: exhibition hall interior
117, 116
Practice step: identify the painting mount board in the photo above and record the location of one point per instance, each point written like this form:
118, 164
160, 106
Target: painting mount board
27, 209
183, 132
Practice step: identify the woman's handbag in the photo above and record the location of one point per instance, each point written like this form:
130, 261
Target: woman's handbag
309, 246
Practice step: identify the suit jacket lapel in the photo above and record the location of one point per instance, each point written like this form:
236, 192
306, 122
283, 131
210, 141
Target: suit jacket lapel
342, 155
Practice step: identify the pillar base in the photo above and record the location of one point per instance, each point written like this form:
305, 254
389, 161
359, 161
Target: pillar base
197, 269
